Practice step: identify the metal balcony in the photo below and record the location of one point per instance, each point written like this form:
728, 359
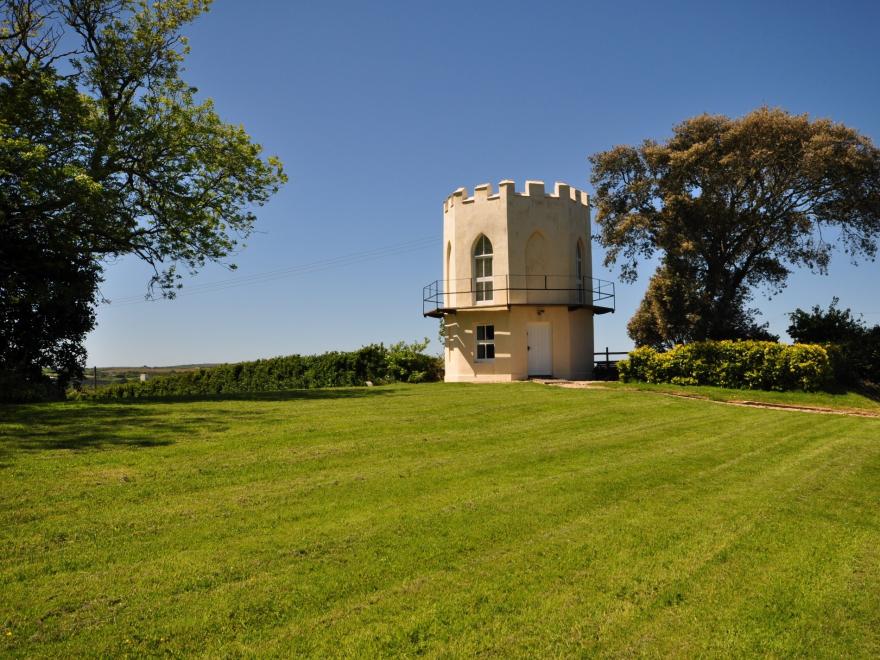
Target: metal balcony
510, 290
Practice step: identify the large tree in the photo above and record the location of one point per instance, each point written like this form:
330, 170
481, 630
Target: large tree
730, 205
105, 151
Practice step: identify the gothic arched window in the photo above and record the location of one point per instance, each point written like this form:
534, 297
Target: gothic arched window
483, 269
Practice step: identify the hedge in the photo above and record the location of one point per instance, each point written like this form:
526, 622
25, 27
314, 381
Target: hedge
375, 363
755, 365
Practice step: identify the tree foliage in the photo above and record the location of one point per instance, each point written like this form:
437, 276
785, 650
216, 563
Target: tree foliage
729, 205
47, 293
855, 345
821, 326
105, 151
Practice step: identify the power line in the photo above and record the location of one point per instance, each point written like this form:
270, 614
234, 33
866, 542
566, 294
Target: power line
293, 271
324, 264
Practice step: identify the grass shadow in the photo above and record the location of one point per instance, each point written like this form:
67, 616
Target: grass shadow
136, 423
869, 391
863, 388
47, 427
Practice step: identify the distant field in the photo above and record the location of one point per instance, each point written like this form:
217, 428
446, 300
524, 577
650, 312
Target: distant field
111, 375
439, 519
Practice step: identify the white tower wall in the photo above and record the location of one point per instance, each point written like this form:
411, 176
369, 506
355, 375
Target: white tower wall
534, 238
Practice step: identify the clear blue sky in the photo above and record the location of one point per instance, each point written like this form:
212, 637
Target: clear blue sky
380, 110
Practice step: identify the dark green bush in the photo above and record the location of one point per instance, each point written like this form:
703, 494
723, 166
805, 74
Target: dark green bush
856, 362
27, 387
375, 363
755, 365
853, 346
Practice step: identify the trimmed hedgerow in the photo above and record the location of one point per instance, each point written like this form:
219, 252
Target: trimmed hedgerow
374, 363
756, 365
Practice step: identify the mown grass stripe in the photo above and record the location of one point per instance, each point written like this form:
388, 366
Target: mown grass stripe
511, 520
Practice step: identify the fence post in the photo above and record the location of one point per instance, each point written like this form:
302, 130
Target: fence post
607, 358
95, 377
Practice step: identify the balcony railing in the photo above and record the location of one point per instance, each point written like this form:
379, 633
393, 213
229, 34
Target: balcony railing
439, 298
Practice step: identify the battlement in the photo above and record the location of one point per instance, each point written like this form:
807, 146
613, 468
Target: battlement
507, 189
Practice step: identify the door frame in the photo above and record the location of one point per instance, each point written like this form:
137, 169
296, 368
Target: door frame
549, 335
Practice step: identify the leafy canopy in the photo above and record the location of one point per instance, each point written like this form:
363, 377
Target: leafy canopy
819, 326
729, 205
856, 345
105, 151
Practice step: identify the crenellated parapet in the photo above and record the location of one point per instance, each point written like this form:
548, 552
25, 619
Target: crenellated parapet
507, 189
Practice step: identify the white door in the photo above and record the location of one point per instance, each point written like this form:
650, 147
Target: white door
540, 354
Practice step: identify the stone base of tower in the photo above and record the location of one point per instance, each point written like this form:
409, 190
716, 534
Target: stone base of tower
526, 342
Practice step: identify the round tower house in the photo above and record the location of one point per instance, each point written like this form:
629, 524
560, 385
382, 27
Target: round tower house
517, 293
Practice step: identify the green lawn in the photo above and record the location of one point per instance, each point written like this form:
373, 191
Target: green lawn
442, 519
